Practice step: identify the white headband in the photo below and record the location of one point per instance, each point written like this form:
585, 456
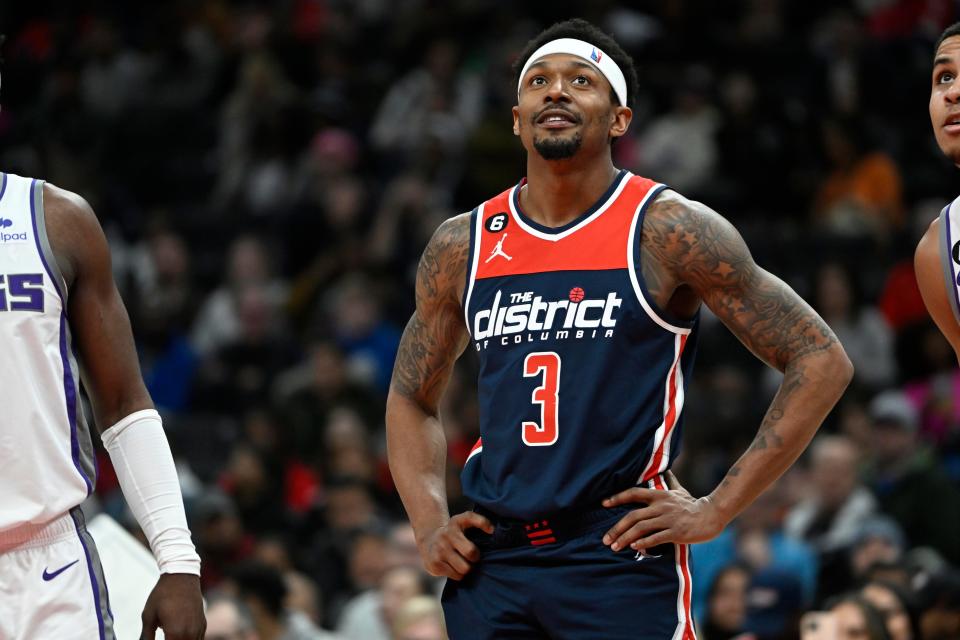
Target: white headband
588, 52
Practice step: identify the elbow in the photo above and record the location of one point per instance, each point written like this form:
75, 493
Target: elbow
841, 368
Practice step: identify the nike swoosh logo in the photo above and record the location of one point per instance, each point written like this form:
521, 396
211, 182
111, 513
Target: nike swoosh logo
48, 575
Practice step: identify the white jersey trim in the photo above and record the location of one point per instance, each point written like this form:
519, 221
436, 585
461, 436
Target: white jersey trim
632, 267
554, 237
474, 263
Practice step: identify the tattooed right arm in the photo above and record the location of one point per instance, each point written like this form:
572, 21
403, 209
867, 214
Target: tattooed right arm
434, 338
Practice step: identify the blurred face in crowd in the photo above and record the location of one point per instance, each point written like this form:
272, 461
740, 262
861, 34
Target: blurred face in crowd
833, 287
248, 262
891, 442
368, 561
302, 596
889, 605
728, 603
834, 471
565, 106
349, 508
428, 628
399, 585
945, 98
851, 623
224, 623
871, 551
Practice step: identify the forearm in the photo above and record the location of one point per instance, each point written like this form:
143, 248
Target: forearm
141, 457
417, 453
811, 387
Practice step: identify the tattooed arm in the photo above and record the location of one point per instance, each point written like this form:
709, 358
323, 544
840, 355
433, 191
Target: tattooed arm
690, 252
434, 338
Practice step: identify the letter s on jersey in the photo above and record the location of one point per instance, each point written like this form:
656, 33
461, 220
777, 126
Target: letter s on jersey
21, 292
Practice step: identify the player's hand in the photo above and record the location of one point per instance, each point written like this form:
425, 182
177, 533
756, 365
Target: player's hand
176, 606
672, 515
446, 551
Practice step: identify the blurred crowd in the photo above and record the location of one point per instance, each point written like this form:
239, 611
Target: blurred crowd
268, 173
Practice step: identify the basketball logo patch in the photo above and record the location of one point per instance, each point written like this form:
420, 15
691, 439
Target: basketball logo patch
576, 294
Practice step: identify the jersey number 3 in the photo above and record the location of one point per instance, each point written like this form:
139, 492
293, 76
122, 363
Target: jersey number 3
546, 395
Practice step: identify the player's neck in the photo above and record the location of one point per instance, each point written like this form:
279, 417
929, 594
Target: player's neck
558, 192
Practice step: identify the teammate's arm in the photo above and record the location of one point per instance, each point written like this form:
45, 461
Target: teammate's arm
933, 288
135, 438
434, 338
693, 246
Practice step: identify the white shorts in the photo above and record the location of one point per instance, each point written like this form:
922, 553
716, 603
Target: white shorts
51, 583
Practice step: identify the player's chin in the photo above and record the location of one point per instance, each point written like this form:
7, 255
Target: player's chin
950, 146
952, 151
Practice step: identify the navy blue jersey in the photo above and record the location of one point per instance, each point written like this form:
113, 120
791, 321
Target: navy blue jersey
582, 376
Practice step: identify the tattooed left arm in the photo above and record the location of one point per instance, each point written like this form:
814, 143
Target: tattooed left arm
685, 244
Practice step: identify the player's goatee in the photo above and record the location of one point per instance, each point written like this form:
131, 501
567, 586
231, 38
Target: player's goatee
558, 148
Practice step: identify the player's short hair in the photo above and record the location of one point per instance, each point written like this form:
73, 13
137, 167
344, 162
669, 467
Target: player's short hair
949, 32
583, 30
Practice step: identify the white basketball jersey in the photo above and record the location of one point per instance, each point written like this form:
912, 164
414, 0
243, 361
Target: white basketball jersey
46, 454
950, 252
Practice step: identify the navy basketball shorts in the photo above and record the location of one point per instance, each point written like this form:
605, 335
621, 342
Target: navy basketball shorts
554, 578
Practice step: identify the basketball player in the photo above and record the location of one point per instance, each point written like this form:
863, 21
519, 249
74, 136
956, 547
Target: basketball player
937, 260
56, 294
586, 339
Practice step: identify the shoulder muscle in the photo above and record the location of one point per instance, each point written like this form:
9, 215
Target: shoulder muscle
75, 234
933, 286
442, 271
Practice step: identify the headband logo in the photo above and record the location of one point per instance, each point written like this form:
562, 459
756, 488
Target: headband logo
596, 55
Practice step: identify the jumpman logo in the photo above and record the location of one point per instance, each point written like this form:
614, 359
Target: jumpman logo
498, 250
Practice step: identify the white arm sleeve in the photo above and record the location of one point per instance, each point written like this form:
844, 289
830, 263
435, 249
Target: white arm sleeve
141, 457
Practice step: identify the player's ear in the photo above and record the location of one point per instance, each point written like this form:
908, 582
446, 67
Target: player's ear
516, 121
620, 122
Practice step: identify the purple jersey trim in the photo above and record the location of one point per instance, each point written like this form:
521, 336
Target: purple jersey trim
954, 284
93, 578
3, 184
69, 384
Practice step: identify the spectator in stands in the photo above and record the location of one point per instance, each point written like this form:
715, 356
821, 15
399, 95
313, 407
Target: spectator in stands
229, 619
829, 517
860, 327
785, 566
219, 535
726, 604
876, 554
863, 193
897, 608
909, 484
218, 321
371, 614
420, 618
857, 619
940, 619
263, 590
